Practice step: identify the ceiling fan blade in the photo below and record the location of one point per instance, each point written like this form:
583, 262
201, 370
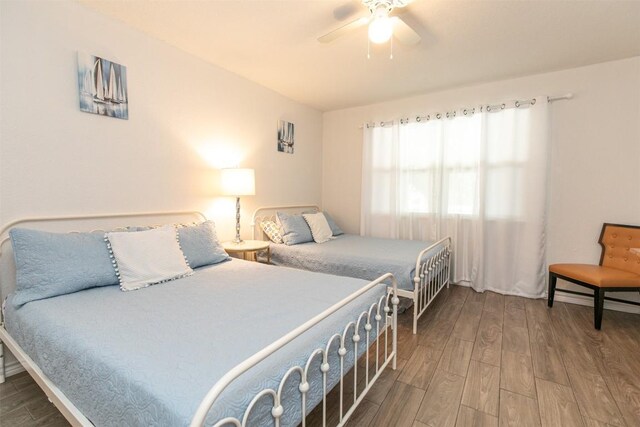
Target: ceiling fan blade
404, 33
329, 37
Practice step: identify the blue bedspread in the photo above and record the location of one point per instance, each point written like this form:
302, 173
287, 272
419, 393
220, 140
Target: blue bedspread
355, 256
148, 357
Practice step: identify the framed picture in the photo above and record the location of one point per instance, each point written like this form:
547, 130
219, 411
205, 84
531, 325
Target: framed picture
102, 85
286, 137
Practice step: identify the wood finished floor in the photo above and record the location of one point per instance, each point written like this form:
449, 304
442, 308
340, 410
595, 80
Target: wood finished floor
478, 360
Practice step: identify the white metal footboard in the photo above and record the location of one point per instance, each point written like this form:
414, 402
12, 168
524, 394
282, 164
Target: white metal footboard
378, 315
431, 276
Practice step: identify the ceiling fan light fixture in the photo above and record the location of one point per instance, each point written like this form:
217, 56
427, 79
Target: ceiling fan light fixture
380, 29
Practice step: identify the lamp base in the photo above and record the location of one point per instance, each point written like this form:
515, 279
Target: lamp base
237, 240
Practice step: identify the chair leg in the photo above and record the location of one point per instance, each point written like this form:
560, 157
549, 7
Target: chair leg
598, 307
552, 288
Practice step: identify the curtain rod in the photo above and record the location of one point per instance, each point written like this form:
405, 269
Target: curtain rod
559, 97
517, 103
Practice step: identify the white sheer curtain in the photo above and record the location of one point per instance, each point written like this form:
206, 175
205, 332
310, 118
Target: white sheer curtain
480, 178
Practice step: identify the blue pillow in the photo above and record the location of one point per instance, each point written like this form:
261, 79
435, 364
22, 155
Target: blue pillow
200, 244
52, 264
335, 230
294, 229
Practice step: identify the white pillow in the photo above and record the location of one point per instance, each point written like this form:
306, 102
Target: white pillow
319, 226
147, 257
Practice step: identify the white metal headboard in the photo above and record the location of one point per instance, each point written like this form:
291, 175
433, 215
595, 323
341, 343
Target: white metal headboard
269, 213
78, 223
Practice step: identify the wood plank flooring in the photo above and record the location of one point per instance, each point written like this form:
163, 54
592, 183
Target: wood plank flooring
24, 404
478, 360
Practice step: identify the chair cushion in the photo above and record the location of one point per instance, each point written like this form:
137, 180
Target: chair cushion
596, 275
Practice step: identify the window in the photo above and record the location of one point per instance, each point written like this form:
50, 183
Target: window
437, 166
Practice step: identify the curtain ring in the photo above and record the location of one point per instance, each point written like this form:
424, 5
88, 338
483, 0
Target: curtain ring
438, 116
533, 101
381, 124
447, 114
428, 117
418, 119
464, 111
488, 108
502, 107
517, 104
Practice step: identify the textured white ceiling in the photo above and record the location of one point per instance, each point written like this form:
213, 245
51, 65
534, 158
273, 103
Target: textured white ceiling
273, 42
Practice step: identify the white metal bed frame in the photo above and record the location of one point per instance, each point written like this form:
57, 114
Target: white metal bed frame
381, 315
432, 273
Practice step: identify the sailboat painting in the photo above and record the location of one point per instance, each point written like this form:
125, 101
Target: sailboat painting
103, 86
285, 137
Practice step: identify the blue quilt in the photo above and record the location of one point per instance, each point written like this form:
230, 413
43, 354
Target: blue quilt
355, 256
147, 358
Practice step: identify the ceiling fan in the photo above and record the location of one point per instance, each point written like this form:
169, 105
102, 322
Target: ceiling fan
382, 26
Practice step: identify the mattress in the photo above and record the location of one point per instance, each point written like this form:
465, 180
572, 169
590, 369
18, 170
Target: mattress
355, 256
148, 357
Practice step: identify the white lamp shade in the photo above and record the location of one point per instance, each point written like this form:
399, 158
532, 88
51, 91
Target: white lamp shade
238, 182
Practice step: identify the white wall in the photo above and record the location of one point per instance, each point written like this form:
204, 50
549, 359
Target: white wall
186, 119
595, 166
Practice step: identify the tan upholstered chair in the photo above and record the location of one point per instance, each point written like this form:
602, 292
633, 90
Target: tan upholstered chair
618, 271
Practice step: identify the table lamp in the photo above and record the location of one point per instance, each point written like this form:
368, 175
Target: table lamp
238, 182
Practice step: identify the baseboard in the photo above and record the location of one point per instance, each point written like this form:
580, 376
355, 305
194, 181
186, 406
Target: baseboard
588, 301
12, 368
575, 299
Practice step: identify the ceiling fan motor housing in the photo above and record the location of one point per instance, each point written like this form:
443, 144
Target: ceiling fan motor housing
385, 5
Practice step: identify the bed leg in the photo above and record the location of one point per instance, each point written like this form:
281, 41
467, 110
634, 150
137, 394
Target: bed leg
415, 315
394, 321
2, 377
416, 301
449, 251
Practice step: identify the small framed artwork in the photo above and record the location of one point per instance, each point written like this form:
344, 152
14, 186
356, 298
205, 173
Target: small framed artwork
286, 137
103, 86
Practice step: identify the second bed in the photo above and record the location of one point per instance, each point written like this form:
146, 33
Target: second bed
421, 268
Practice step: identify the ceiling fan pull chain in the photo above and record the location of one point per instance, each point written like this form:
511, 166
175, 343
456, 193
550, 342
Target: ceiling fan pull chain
391, 54
368, 48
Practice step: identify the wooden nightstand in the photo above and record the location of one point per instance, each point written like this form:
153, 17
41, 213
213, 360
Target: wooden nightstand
247, 247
